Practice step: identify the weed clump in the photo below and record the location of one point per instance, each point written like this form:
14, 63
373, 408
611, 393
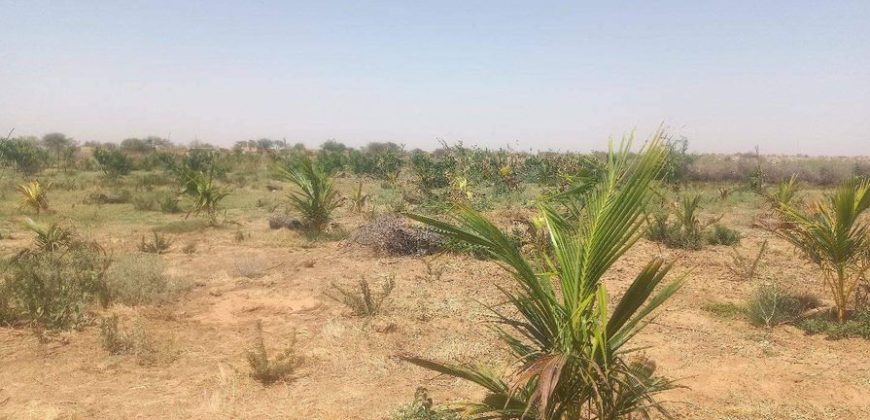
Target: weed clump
159, 245
116, 340
268, 371
362, 301
422, 408
390, 234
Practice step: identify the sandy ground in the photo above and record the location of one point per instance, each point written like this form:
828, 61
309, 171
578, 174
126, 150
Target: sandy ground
351, 368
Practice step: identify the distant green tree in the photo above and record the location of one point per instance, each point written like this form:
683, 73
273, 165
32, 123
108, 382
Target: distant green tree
24, 154
113, 162
57, 144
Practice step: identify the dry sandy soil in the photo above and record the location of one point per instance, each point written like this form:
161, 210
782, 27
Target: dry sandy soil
730, 369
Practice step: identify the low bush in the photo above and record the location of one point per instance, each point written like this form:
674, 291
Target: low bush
34, 195
858, 325
140, 279
53, 288
722, 235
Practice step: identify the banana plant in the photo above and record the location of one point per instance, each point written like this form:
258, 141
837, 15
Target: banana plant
570, 347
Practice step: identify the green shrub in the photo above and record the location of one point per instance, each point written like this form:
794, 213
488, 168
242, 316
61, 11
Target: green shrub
858, 325
24, 155
53, 288
140, 279
722, 235
202, 186
113, 162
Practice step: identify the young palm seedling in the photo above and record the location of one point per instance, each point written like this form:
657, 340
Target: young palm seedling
835, 238
205, 191
315, 197
569, 346
34, 196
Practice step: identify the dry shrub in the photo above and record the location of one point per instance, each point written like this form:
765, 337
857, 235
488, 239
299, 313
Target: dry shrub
282, 221
139, 279
390, 234
268, 371
362, 301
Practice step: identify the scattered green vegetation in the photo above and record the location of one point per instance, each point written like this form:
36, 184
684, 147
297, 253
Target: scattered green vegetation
725, 310
857, 325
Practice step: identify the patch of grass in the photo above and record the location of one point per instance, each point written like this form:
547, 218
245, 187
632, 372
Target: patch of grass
723, 235
279, 368
134, 341
725, 310
858, 325
139, 279
362, 301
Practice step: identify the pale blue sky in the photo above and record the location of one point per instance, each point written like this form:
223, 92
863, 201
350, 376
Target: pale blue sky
791, 76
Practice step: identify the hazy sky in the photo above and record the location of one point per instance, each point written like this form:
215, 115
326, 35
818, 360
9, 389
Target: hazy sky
791, 76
